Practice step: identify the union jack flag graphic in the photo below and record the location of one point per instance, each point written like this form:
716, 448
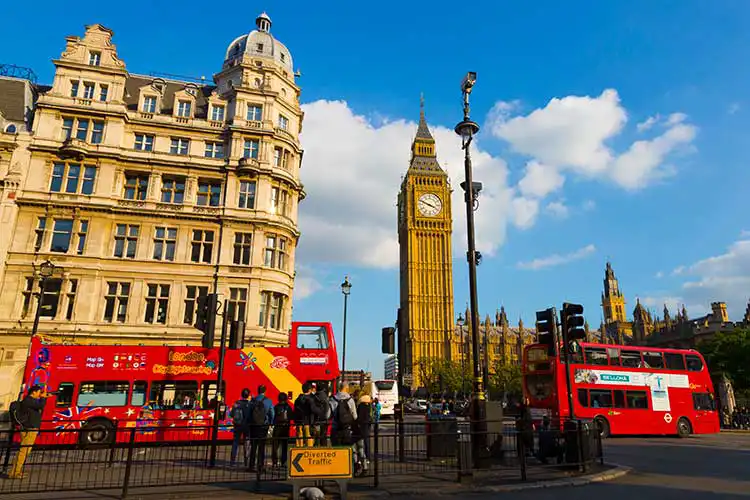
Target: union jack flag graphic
73, 417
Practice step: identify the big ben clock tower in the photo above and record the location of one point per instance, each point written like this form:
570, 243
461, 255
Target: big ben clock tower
426, 272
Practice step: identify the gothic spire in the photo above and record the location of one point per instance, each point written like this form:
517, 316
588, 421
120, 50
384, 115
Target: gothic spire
423, 132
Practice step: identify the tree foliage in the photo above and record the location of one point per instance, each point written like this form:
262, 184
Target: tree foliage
440, 376
506, 379
729, 353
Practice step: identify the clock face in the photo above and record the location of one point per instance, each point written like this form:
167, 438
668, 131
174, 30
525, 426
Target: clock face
429, 205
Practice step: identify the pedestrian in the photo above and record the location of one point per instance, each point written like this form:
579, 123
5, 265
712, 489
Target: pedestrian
29, 418
344, 413
281, 420
377, 409
361, 434
240, 426
323, 414
261, 418
303, 416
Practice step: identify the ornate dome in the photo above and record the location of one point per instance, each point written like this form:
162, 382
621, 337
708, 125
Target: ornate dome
259, 43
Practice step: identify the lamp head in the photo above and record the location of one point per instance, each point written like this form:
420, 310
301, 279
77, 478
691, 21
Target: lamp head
47, 269
468, 82
346, 286
467, 129
460, 320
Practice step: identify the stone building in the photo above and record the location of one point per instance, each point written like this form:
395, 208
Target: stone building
148, 192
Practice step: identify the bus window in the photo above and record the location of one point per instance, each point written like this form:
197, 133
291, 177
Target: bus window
653, 360
583, 397
694, 363
674, 361
702, 401
637, 400
619, 399
312, 337
174, 395
631, 359
596, 356
103, 394
600, 398
208, 393
614, 356
64, 394
538, 385
138, 397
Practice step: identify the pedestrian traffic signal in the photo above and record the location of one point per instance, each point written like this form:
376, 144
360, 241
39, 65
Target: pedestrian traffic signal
205, 317
389, 340
237, 335
546, 329
572, 324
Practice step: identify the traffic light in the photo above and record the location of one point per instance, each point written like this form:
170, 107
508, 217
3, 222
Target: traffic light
389, 340
572, 325
546, 329
205, 317
237, 335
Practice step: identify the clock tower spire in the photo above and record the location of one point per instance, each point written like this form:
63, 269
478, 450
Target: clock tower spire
426, 273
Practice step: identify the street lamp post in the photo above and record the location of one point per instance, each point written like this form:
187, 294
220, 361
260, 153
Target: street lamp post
467, 129
460, 324
46, 270
346, 289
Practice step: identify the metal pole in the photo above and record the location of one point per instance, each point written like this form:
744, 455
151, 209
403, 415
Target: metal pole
219, 379
463, 363
566, 362
42, 287
343, 356
486, 363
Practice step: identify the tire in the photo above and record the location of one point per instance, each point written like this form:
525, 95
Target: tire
96, 433
603, 426
684, 429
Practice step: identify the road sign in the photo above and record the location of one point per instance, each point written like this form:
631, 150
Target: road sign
323, 463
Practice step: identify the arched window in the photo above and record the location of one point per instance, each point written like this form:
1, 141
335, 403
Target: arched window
10, 129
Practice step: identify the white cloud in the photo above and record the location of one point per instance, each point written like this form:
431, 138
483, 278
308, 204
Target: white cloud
556, 259
733, 108
305, 283
524, 212
589, 205
647, 123
659, 275
557, 209
540, 180
744, 233
678, 270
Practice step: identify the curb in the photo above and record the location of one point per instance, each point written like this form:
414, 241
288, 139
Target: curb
735, 431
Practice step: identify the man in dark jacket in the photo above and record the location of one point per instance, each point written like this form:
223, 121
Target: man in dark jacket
261, 419
240, 423
323, 416
30, 417
303, 416
282, 417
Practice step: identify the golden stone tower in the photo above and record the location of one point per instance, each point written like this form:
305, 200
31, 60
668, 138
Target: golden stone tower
426, 272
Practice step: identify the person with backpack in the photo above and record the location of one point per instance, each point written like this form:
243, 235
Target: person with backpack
281, 420
303, 416
361, 434
344, 414
240, 418
261, 418
322, 407
28, 416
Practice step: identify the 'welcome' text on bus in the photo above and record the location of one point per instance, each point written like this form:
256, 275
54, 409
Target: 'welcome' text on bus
624, 389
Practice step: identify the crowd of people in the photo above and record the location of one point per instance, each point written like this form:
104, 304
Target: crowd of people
738, 419
348, 417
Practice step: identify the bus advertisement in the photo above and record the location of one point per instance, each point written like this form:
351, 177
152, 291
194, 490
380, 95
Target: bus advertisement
98, 390
624, 389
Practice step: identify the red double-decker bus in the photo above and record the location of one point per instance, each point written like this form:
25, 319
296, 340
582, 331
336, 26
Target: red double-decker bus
160, 390
624, 389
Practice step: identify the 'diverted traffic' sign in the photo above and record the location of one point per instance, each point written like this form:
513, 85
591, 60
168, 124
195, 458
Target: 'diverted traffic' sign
323, 463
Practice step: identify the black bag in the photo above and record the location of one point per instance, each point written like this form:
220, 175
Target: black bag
18, 415
238, 414
258, 413
282, 415
343, 415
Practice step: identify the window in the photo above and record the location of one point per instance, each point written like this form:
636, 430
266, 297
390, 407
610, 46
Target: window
144, 142
149, 104
242, 248
97, 132
103, 393
88, 90
157, 302
209, 393
619, 398
116, 302
28, 293
694, 363
251, 149
614, 356
259, 47
214, 150
278, 154
51, 297
583, 397
136, 186
64, 394
652, 359
82, 127
202, 246
82, 130
283, 122
172, 190
674, 361
279, 201
275, 254
184, 108
596, 356
138, 397
62, 234
74, 85
209, 193
217, 113
83, 229
254, 112
41, 225
600, 398
10, 129
69, 175
637, 400
71, 296
165, 240
237, 307
179, 146
126, 240
67, 128
103, 91
95, 58
271, 309
703, 401
312, 337
631, 359
176, 395
191, 302
247, 194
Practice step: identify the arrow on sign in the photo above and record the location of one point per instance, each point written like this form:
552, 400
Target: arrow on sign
295, 463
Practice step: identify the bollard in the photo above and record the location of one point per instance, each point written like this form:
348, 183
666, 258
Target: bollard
521, 455
465, 471
400, 425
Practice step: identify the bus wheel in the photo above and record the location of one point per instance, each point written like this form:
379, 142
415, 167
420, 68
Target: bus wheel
603, 426
96, 433
684, 429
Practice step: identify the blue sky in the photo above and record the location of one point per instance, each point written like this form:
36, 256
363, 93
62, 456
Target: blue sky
572, 165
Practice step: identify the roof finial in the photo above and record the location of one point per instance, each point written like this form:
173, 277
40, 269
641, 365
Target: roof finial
421, 105
422, 131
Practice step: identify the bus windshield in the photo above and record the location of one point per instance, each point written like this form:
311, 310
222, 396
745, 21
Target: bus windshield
385, 385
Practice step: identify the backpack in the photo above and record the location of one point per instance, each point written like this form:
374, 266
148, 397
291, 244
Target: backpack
324, 405
238, 414
299, 409
343, 415
17, 414
318, 408
258, 412
282, 415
